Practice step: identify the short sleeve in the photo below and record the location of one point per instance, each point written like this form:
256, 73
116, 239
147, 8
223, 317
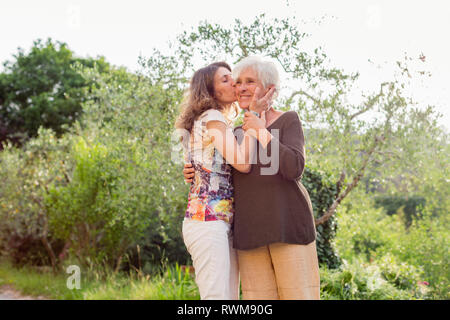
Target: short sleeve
212, 115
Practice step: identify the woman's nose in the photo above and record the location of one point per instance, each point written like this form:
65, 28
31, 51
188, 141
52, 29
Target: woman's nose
242, 87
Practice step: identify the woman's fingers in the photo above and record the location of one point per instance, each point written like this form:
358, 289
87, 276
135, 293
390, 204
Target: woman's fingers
264, 102
188, 172
189, 178
267, 99
188, 167
257, 94
256, 98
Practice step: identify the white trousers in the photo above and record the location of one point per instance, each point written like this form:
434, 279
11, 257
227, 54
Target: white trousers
210, 245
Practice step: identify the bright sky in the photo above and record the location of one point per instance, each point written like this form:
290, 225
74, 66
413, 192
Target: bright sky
354, 32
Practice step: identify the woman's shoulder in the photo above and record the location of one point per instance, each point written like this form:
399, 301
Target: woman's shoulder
291, 115
212, 114
288, 118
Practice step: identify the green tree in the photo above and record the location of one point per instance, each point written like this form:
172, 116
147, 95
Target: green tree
39, 88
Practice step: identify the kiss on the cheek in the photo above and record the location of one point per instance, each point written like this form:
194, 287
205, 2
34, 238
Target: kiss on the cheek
274, 235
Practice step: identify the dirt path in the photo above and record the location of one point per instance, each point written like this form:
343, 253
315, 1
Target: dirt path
7, 292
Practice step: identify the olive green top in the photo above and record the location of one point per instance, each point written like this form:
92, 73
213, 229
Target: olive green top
274, 207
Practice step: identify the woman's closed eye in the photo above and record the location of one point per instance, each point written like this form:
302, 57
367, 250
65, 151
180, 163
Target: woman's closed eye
246, 82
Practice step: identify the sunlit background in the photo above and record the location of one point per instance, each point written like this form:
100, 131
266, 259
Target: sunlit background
357, 35
106, 195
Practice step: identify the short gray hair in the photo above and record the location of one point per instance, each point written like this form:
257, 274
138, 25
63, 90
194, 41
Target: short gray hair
266, 70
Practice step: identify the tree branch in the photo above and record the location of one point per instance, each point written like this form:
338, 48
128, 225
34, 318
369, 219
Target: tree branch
370, 104
331, 210
301, 92
243, 48
339, 183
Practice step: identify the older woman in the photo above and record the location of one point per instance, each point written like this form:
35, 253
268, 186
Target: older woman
274, 231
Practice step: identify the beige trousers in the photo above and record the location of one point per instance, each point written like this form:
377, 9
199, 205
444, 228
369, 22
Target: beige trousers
280, 271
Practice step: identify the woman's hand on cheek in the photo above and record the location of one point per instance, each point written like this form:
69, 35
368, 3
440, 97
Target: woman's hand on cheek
260, 101
252, 124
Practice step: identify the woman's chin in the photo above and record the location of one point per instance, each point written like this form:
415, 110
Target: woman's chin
244, 106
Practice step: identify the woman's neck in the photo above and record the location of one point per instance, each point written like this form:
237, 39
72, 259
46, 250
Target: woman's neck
271, 116
226, 106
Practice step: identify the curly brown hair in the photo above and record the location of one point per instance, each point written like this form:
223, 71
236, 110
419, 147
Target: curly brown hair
200, 96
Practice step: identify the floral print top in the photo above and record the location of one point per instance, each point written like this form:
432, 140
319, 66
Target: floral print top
211, 193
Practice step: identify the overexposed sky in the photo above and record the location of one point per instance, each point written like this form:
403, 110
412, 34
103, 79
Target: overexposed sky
354, 31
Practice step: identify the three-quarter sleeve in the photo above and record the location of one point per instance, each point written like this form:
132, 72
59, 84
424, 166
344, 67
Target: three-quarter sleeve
291, 148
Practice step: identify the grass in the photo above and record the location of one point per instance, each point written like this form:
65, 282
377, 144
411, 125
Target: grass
352, 281
171, 284
34, 283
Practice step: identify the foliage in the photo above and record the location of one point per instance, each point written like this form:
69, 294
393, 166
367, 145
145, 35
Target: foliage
80, 211
26, 174
414, 258
40, 88
322, 192
360, 281
122, 185
102, 184
408, 205
425, 245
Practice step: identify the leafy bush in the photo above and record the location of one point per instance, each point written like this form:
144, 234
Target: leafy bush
400, 274
106, 182
425, 245
414, 258
82, 211
26, 173
408, 205
322, 192
359, 281
120, 182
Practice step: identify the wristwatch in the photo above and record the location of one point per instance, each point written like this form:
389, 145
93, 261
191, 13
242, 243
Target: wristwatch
255, 113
